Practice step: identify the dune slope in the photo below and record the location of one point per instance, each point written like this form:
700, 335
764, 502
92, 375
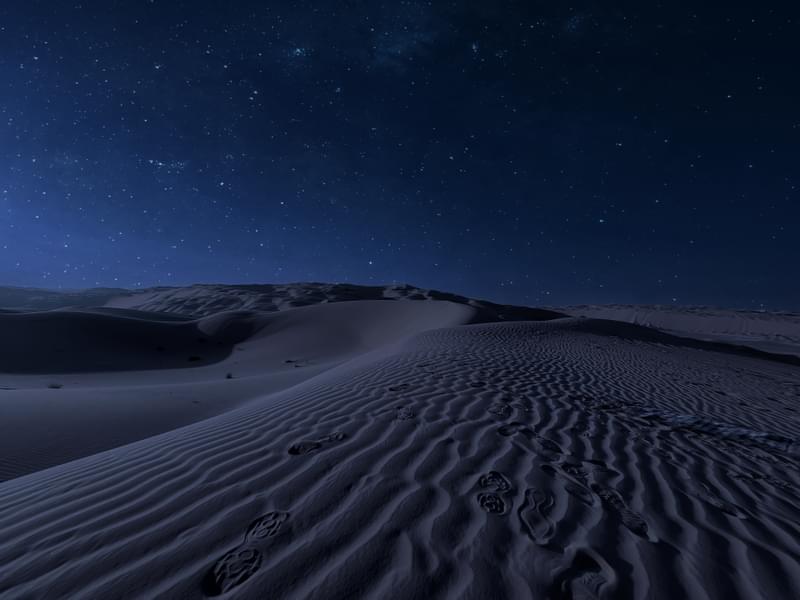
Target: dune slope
506, 460
77, 341
73, 383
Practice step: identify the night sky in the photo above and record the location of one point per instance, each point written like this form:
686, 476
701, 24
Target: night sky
521, 151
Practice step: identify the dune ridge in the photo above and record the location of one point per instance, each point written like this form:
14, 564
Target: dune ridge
202, 300
504, 460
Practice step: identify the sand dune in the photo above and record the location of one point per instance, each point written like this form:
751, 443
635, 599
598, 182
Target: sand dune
571, 458
202, 300
78, 382
30, 299
209, 299
768, 331
88, 341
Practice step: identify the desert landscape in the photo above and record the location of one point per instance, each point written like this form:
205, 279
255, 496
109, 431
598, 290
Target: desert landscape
341, 441
399, 300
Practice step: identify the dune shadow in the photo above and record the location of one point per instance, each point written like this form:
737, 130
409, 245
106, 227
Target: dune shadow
68, 341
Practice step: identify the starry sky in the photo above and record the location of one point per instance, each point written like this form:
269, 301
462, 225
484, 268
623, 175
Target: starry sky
521, 151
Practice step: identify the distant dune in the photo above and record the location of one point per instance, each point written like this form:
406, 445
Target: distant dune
329, 441
202, 300
777, 332
31, 299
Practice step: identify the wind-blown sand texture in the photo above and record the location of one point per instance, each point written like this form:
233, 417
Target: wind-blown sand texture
769, 331
412, 455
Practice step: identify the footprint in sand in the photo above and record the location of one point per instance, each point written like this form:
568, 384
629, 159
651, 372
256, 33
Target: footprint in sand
404, 413
630, 519
501, 410
569, 470
752, 477
266, 526
583, 579
514, 428
232, 570
706, 495
520, 402
496, 481
400, 387
574, 482
601, 468
308, 446
241, 563
534, 514
581, 493
575, 471
492, 503
549, 445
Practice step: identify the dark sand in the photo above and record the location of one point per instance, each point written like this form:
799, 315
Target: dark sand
391, 450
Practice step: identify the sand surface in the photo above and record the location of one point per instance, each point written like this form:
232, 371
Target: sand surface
81, 381
777, 332
407, 451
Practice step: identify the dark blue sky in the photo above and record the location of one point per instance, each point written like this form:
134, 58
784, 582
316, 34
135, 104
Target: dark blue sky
515, 150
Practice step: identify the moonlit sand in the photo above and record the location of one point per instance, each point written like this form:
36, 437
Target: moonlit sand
322, 441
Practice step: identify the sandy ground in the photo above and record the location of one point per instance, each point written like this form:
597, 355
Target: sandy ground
768, 331
403, 453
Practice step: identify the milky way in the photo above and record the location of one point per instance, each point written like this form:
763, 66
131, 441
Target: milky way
526, 152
